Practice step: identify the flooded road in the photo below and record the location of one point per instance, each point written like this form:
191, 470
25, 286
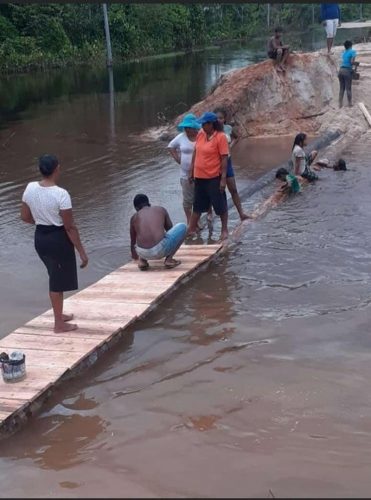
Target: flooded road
251, 380
105, 160
253, 377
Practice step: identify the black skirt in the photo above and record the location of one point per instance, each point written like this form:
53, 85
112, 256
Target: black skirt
57, 252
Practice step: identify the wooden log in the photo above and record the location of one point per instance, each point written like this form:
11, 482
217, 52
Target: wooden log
365, 112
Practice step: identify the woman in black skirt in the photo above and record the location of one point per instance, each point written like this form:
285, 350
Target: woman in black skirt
49, 206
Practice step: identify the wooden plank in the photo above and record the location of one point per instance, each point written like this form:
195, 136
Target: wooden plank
355, 24
4, 415
47, 359
17, 341
45, 333
12, 404
129, 295
105, 326
365, 112
102, 311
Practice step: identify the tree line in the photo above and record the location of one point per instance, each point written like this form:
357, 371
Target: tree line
53, 35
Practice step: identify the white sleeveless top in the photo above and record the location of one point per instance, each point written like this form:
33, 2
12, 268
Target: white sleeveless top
46, 203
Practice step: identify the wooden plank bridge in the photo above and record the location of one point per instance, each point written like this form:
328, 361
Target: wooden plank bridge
103, 311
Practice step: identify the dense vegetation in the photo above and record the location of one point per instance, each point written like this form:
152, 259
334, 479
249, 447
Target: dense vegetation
37, 35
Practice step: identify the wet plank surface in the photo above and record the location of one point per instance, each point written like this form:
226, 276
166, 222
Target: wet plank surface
102, 311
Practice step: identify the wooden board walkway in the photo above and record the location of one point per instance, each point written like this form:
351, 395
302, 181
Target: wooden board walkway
355, 24
102, 311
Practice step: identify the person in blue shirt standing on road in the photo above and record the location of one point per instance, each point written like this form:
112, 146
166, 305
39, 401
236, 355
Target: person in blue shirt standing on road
345, 73
330, 16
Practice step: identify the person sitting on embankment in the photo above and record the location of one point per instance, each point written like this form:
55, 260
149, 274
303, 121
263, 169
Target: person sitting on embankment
301, 160
152, 234
277, 50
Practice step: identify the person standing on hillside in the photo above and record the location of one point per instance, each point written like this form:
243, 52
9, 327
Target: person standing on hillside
345, 72
330, 17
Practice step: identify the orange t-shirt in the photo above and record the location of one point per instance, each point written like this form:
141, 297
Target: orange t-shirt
208, 159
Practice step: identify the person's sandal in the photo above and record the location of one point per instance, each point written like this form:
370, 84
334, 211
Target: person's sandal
174, 263
143, 266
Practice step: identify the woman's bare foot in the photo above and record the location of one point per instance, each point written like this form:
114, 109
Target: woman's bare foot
67, 317
64, 327
244, 217
170, 263
143, 264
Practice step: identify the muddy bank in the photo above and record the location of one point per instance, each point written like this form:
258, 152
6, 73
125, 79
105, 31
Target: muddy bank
264, 102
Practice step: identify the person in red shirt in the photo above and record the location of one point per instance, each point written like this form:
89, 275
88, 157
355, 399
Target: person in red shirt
209, 172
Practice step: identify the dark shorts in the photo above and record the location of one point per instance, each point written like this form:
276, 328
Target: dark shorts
272, 54
230, 171
207, 192
57, 252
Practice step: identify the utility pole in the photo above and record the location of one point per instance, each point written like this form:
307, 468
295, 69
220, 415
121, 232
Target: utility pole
360, 12
111, 90
269, 15
108, 36
312, 13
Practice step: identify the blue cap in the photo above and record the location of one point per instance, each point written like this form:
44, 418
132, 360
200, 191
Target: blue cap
189, 121
208, 117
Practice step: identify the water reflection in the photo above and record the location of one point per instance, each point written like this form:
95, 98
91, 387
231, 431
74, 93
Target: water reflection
112, 104
214, 308
60, 438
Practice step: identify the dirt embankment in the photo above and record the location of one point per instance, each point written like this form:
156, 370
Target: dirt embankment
262, 101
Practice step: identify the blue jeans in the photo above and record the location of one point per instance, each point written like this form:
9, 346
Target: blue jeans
230, 171
167, 246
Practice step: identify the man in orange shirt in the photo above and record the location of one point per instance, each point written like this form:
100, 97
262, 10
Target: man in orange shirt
209, 172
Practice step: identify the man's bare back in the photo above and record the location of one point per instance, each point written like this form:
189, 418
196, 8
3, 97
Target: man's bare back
150, 225
152, 234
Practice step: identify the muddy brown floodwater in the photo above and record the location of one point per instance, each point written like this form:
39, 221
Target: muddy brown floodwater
253, 378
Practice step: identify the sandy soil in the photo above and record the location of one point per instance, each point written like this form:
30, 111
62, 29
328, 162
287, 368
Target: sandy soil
264, 102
